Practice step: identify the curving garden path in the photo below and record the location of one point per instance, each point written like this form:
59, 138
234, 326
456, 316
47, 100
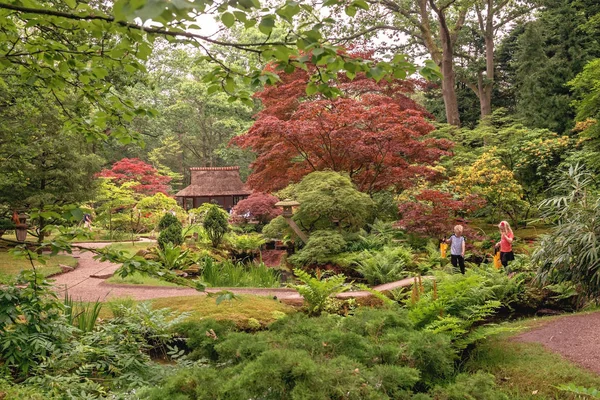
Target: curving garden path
87, 283
575, 337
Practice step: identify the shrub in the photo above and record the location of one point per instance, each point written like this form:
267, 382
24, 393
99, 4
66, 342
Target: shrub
373, 354
456, 304
245, 245
329, 200
318, 291
173, 257
321, 247
386, 206
203, 336
258, 206
151, 208
278, 229
571, 252
6, 225
387, 265
32, 323
171, 234
480, 386
216, 225
167, 220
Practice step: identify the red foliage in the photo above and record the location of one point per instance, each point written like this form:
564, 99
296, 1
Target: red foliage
148, 180
259, 206
434, 213
373, 132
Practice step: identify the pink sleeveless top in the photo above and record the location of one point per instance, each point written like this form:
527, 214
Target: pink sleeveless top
505, 246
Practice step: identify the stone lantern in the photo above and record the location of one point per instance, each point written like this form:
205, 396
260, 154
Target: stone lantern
288, 211
21, 228
287, 205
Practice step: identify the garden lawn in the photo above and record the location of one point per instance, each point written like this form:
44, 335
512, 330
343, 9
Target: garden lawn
11, 266
131, 248
97, 235
527, 371
263, 309
139, 279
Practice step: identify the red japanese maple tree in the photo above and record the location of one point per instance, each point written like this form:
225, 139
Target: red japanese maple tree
373, 131
148, 180
259, 206
434, 214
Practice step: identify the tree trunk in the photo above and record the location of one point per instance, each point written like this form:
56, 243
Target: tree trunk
449, 91
484, 94
485, 89
42, 221
448, 76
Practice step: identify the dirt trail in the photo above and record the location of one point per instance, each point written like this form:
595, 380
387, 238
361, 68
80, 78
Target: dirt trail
575, 337
81, 286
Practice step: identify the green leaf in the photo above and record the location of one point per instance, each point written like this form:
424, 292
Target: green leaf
399, 73
229, 84
266, 25
228, 19
376, 73
241, 16
100, 73
350, 11
311, 89
362, 4
71, 3
213, 89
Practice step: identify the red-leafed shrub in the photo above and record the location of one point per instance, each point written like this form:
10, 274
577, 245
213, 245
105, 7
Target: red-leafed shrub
433, 213
145, 177
258, 206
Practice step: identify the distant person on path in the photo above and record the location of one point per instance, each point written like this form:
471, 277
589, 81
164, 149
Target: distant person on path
505, 244
457, 248
87, 221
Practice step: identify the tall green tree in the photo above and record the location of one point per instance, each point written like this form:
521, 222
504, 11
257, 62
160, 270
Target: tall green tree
586, 88
551, 51
42, 167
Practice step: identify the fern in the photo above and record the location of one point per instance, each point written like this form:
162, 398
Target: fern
581, 391
387, 265
318, 291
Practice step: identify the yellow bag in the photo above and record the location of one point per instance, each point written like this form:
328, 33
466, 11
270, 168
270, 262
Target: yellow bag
443, 248
497, 261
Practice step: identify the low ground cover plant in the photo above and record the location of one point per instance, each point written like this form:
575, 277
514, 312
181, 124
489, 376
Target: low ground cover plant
232, 274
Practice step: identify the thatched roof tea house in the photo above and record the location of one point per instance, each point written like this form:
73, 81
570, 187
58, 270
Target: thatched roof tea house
220, 184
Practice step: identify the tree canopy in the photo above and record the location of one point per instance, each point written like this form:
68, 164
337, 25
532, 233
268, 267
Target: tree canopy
374, 132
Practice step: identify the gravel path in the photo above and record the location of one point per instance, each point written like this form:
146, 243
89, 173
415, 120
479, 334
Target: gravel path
82, 286
575, 337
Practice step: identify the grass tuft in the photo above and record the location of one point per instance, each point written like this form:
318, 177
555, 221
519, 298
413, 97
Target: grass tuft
527, 371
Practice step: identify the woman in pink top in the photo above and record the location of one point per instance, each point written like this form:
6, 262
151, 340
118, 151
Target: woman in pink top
505, 243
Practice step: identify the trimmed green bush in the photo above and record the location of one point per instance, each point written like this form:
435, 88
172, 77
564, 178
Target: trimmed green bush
167, 220
322, 246
172, 234
216, 225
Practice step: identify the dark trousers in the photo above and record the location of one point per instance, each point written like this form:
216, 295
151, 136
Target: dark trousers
458, 261
505, 258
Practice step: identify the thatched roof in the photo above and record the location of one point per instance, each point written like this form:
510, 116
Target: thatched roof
215, 181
